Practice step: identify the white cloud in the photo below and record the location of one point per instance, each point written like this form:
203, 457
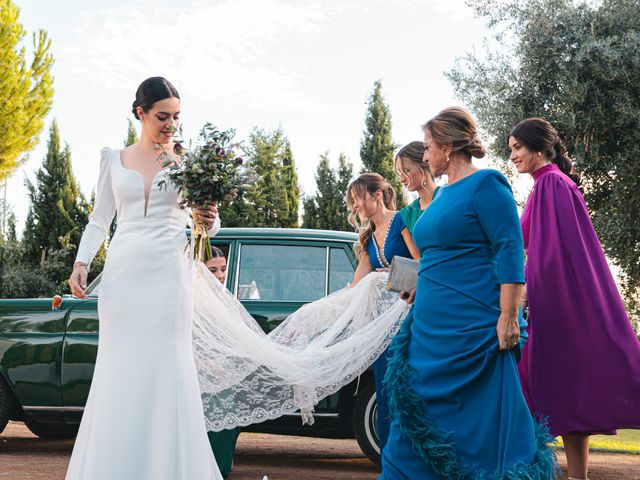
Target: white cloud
220, 50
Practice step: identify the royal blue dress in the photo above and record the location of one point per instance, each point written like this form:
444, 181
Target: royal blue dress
381, 258
464, 402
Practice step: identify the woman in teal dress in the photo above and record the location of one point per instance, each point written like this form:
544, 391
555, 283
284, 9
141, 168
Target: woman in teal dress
383, 235
415, 176
457, 406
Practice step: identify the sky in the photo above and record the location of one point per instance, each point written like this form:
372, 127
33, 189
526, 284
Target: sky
306, 66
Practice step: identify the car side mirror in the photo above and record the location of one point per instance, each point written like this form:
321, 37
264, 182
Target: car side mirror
56, 303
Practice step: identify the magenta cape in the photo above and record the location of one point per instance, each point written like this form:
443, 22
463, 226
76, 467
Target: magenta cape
581, 365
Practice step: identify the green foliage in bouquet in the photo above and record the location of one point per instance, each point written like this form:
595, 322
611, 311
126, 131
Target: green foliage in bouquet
211, 172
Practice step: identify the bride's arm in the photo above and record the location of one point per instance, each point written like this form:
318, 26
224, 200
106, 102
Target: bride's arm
96, 230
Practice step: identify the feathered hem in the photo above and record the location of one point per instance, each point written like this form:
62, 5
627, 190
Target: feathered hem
434, 445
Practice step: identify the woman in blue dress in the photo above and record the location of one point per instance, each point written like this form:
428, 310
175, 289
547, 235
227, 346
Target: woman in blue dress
382, 236
415, 176
458, 409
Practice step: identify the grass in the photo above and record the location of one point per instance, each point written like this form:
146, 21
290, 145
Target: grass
627, 441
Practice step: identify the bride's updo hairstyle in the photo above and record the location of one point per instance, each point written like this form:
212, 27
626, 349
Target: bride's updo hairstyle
538, 135
150, 91
455, 126
367, 183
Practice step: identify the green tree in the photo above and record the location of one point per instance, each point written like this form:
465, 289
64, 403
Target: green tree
575, 64
272, 201
11, 234
26, 89
376, 146
289, 180
58, 211
327, 208
132, 134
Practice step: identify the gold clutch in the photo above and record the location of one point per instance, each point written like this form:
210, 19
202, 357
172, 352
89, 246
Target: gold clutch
403, 275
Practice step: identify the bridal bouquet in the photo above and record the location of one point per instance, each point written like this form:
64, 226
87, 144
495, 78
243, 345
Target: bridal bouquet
211, 172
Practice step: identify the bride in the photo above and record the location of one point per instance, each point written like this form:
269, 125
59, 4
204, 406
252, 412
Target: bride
176, 348
143, 418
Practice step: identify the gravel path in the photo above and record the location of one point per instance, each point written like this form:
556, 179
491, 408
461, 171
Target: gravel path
26, 457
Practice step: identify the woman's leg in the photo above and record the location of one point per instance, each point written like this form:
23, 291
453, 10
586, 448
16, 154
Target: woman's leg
576, 447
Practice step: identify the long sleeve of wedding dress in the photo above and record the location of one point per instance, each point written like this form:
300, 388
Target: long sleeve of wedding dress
101, 216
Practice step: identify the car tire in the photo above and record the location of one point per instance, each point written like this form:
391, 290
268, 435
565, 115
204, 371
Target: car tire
7, 405
53, 431
365, 421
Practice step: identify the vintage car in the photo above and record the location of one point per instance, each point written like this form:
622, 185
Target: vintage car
47, 351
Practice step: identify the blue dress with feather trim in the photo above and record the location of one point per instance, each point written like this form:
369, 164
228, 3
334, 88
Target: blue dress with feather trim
457, 405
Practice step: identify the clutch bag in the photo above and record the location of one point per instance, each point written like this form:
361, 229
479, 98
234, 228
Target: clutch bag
403, 275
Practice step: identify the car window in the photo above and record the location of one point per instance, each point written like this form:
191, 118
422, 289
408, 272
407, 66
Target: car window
282, 273
340, 269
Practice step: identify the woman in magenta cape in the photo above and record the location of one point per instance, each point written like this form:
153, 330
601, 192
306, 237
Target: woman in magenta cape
581, 366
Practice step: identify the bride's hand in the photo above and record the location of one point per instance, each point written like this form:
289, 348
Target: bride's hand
78, 280
206, 214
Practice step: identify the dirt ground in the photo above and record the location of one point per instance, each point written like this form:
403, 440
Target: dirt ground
26, 457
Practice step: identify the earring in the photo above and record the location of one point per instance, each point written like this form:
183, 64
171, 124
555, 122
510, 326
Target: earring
447, 158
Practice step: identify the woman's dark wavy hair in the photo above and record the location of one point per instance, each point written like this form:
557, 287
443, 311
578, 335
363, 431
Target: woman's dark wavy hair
538, 135
153, 90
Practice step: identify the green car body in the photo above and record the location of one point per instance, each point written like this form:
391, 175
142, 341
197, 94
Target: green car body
47, 356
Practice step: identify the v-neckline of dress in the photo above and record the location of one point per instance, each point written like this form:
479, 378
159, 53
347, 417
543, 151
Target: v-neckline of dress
147, 193
380, 254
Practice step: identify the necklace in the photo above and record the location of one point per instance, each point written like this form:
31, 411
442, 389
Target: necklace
380, 254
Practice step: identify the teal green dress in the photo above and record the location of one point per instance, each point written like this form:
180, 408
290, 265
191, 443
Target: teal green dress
412, 212
223, 444
457, 407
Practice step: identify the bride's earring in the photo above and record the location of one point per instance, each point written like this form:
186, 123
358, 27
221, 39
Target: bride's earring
447, 158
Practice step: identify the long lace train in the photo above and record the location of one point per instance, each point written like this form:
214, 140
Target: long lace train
247, 376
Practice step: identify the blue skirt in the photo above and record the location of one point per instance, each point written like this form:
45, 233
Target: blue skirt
462, 414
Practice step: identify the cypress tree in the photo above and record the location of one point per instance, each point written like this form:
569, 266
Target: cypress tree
377, 147
58, 211
327, 209
291, 187
132, 134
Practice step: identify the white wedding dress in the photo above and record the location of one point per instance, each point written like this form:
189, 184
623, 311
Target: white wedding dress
143, 419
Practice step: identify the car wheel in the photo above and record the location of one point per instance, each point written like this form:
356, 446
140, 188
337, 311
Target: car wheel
7, 405
365, 422
53, 431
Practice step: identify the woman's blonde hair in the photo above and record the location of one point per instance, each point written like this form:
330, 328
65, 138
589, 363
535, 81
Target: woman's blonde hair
455, 126
367, 183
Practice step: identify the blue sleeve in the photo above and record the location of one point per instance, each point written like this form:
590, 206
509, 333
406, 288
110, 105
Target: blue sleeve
498, 216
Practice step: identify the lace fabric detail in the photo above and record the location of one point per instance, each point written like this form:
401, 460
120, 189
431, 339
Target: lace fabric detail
247, 376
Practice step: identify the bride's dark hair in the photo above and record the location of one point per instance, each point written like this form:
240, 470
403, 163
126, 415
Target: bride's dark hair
151, 91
